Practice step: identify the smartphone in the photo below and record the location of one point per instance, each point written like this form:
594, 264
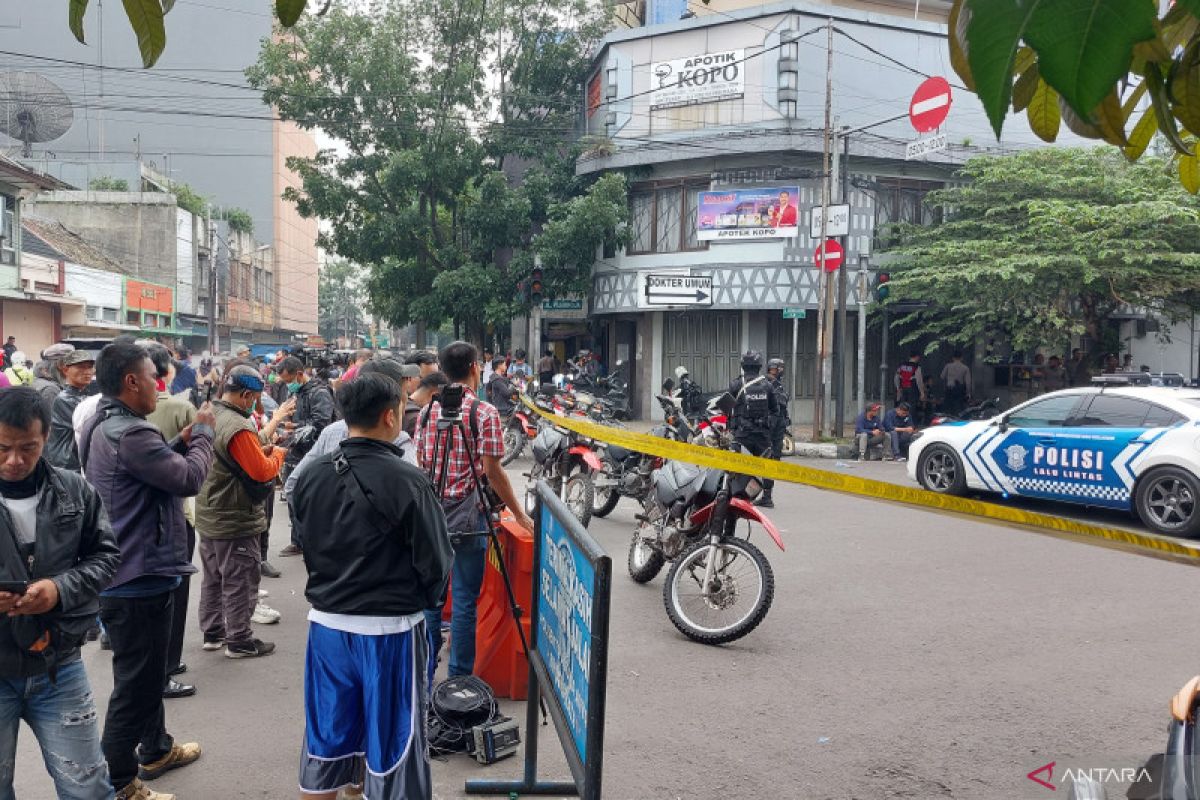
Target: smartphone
14, 587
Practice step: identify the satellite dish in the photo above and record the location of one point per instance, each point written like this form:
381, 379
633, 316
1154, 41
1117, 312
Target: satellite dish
33, 109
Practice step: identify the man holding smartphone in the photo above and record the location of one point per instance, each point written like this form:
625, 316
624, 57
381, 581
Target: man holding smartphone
57, 550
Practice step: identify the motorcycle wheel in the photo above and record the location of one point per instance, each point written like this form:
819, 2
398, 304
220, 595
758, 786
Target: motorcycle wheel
789, 445
604, 500
578, 495
644, 562
514, 444
531, 490
745, 586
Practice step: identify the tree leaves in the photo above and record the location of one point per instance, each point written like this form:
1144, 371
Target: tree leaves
1043, 112
76, 12
1189, 173
1085, 46
146, 17
1142, 133
957, 35
993, 34
1037, 246
289, 11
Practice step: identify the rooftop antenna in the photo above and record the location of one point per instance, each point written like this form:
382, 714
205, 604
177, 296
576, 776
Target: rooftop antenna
33, 109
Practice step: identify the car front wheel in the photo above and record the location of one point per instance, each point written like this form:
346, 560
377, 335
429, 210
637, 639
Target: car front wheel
1168, 500
941, 470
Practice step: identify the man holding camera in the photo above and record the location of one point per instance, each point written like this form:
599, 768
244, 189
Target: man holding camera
464, 462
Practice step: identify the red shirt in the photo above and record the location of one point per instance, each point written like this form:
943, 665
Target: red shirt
459, 475
787, 217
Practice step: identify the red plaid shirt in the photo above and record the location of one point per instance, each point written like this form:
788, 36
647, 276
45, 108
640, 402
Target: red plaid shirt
490, 442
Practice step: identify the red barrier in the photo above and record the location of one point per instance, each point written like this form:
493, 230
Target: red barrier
499, 659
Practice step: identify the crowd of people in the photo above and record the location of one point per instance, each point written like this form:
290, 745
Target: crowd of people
117, 467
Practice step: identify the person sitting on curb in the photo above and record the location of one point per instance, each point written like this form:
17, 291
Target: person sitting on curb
900, 427
868, 432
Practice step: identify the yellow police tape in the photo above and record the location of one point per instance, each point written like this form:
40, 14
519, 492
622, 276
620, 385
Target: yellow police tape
1145, 544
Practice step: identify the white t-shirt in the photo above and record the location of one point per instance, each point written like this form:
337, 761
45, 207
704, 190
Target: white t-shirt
79, 418
365, 625
24, 516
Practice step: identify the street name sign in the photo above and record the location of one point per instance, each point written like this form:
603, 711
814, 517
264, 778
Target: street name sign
829, 256
679, 290
930, 105
923, 147
838, 223
795, 313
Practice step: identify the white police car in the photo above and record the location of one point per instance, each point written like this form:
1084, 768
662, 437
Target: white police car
1122, 448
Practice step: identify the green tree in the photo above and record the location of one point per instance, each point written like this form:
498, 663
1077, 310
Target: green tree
340, 300
1047, 244
1087, 64
239, 219
106, 183
422, 192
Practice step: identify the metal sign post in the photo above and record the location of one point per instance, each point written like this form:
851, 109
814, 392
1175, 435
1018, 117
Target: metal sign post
568, 664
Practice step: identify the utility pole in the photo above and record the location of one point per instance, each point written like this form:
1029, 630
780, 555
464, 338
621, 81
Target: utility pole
843, 280
825, 301
211, 234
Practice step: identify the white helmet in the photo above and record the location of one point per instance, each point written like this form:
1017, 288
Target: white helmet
680, 372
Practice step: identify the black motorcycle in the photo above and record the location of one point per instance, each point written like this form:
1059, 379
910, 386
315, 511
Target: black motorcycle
985, 410
626, 473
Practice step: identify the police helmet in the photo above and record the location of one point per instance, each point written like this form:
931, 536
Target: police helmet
752, 358
680, 372
775, 363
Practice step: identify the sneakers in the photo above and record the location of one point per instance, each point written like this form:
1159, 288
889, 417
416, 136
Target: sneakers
180, 756
140, 791
213, 644
263, 593
268, 570
255, 648
265, 615
291, 550
765, 502
901, 459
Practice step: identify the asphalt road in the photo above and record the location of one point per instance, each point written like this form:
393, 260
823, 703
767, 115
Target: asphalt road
908, 654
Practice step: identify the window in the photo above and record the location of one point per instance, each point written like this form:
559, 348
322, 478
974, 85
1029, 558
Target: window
8, 245
1159, 417
1112, 411
110, 314
133, 317
1053, 412
663, 218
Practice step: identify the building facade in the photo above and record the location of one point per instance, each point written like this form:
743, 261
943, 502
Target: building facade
717, 119
192, 119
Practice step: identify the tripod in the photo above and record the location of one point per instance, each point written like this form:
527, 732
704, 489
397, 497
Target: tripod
449, 422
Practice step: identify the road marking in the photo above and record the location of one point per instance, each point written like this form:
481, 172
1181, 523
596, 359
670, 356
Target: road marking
1131, 541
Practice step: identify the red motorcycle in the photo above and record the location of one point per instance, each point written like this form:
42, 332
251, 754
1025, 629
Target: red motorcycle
719, 586
519, 427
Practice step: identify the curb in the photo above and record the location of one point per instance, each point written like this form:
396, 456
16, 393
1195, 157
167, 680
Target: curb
810, 450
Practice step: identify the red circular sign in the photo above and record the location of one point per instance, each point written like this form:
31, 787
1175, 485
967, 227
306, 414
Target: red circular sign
930, 104
834, 259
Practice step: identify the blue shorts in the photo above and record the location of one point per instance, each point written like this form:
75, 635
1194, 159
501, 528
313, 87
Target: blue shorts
365, 699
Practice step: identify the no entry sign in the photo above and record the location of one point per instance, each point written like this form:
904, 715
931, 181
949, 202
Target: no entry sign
930, 104
829, 255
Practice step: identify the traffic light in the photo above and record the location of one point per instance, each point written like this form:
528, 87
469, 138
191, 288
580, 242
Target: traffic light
881, 285
535, 287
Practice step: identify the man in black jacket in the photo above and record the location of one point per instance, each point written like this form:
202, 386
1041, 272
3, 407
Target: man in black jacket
79, 369
377, 551
314, 411
56, 538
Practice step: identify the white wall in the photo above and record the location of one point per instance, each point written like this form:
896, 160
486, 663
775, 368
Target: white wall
97, 287
1170, 349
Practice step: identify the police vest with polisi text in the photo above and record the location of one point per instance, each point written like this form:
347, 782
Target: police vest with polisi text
753, 403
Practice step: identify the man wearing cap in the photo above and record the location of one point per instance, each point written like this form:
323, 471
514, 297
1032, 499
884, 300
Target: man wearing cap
333, 435
48, 378
79, 369
230, 518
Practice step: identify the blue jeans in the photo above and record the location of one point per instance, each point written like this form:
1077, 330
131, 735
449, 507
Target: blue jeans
466, 578
63, 717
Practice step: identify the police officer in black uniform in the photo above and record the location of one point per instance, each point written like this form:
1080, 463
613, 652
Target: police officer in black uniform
757, 405
779, 421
